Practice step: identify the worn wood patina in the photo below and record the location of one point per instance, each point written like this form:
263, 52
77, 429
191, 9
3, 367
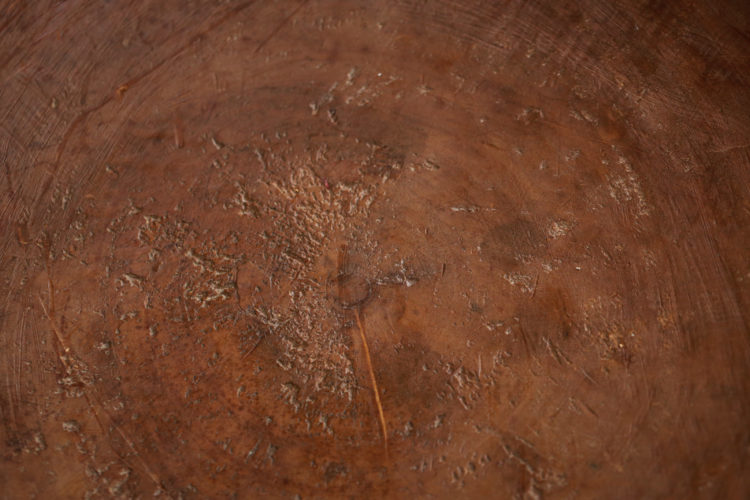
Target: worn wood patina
452, 249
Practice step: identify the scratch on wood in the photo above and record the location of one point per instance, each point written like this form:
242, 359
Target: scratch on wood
373, 380
49, 312
279, 26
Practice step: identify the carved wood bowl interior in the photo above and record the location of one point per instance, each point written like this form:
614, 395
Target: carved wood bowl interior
321, 249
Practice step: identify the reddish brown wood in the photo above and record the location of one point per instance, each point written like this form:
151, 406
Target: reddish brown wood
536, 216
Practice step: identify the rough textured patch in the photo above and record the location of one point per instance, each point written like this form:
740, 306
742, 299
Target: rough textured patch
527, 222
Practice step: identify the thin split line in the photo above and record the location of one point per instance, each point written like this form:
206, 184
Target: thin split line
372, 379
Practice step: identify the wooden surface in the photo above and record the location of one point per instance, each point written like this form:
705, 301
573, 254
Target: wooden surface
228, 226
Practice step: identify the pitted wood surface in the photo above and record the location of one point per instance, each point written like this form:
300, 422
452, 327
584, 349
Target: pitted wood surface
227, 224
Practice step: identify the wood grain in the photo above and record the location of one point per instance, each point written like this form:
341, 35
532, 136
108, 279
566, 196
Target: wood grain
375, 249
